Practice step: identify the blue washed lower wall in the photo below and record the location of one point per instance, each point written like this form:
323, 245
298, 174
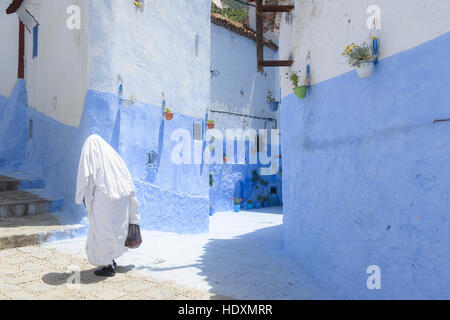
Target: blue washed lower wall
173, 198
235, 180
367, 177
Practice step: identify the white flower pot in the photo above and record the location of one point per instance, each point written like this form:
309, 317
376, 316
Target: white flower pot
365, 69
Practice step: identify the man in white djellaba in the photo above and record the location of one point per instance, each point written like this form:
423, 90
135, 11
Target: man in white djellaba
105, 186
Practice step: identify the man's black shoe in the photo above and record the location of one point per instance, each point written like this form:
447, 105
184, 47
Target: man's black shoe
106, 272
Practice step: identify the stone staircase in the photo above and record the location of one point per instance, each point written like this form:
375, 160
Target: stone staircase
29, 216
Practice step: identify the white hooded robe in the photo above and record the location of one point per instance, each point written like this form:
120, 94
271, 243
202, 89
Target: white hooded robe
107, 188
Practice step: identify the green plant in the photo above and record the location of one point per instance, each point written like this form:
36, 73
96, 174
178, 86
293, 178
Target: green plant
168, 110
249, 201
211, 179
269, 98
294, 77
211, 121
266, 198
232, 9
357, 54
256, 178
237, 201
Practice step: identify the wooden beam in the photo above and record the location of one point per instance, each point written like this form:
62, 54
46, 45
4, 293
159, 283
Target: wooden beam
21, 62
276, 63
274, 8
259, 37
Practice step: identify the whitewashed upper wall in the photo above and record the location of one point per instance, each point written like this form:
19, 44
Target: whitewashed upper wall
57, 78
326, 27
238, 87
154, 51
9, 51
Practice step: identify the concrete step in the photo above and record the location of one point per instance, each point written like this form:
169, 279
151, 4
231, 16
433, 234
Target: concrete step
34, 230
11, 183
19, 203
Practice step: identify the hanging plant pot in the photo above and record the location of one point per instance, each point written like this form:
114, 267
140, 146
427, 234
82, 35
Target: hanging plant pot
274, 106
365, 69
169, 115
300, 92
211, 125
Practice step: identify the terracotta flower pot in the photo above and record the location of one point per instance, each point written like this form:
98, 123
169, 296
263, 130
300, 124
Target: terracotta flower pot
169, 115
211, 126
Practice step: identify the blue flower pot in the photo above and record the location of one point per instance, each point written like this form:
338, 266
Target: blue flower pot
274, 106
249, 206
237, 207
211, 211
266, 204
257, 205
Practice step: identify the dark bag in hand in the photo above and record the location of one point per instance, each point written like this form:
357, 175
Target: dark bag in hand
134, 238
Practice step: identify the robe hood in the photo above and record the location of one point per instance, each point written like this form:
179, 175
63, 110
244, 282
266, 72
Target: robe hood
103, 166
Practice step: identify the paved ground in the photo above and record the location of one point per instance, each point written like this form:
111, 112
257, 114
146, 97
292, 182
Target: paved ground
43, 273
241, 257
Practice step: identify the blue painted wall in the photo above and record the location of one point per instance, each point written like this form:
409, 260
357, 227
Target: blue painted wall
172, 198
13, 128
366, 177
235, 180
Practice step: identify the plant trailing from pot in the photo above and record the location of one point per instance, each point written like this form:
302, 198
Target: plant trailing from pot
168, 114
360, 57
294, 77
211, 124
273, 104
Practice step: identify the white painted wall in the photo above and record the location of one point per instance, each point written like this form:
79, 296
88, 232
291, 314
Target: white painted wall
153, 51
9, 49
57, 79
326, 27
238, 87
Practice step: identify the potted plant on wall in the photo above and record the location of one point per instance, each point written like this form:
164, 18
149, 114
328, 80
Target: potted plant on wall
249, 205
360, 57
237, 204
211, 124
257, 204
273, 105
266, 201
168, 114
294, 77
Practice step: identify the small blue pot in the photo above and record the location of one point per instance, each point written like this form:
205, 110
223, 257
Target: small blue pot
257, 205
274, 106
237, 207
211, 211
249, 206
266, 204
